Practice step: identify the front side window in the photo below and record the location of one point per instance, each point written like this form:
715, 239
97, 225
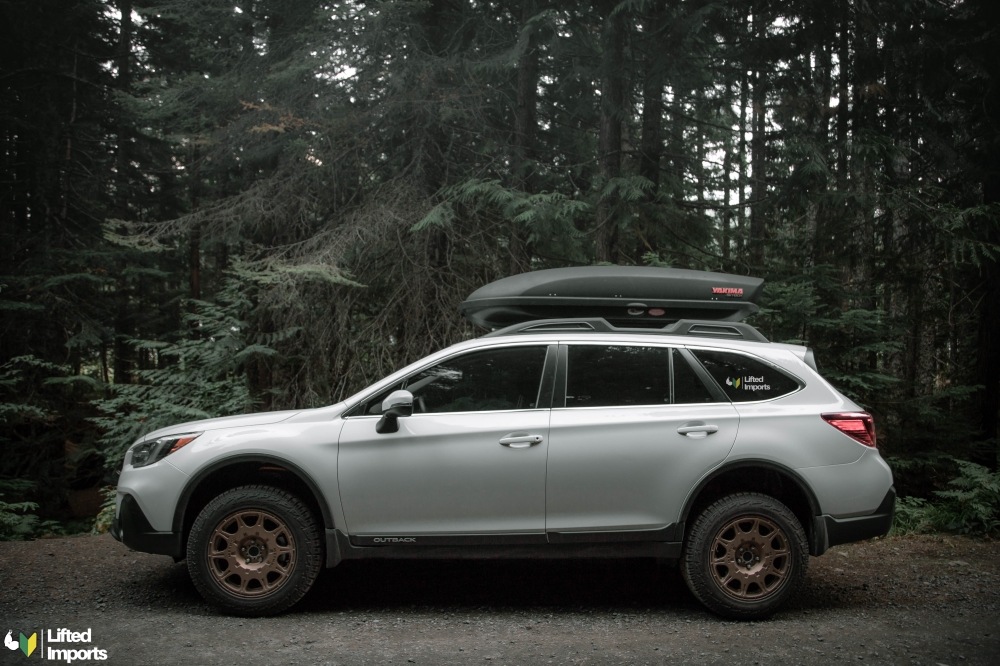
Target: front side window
485, 380
744, 378
488, 380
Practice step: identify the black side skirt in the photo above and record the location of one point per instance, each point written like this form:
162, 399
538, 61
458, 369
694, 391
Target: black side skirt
340, 546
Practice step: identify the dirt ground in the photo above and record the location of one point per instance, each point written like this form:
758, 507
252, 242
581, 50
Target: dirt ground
906, 600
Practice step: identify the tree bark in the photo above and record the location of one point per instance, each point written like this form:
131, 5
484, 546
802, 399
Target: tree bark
525, 126
613, 33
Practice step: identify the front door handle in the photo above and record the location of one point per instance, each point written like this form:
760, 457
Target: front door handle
520, 440
698, 430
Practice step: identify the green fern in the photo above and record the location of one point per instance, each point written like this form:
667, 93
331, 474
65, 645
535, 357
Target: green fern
971, 505
912, 516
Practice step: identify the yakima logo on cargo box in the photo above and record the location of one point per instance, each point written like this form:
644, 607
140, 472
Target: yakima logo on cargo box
727, 291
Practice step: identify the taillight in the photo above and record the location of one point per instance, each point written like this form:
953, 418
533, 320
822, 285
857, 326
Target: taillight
857, 425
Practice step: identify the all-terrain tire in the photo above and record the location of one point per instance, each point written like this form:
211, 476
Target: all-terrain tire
746, 554
254, 550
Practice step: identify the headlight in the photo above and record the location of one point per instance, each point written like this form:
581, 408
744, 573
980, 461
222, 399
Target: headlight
147, 453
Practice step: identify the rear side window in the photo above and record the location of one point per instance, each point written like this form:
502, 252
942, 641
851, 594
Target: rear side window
627, 376
744, 378
688, 387
617, 376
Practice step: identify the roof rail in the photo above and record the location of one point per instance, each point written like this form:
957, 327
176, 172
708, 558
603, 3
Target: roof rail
729, 330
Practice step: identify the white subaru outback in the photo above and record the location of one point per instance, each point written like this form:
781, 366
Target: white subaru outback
617, 427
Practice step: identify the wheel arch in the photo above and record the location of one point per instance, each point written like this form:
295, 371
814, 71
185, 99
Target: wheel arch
240, 470
761, 476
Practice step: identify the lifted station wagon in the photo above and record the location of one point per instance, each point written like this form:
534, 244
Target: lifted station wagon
613, 412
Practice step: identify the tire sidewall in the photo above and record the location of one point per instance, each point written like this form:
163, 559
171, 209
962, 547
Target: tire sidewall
284, 506
695, 567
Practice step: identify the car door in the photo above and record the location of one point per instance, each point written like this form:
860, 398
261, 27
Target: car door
633, 429
469, 461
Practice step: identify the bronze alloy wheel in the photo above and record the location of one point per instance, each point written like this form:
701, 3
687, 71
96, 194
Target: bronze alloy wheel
254, 550
750, 558
745, 555
251, 553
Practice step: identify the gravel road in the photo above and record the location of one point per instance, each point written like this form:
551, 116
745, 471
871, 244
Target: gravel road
905, 600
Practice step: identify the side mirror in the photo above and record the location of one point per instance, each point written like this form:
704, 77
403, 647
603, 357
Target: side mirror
397, 404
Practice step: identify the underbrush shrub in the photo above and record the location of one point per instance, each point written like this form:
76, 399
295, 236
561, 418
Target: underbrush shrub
102, 523
970, 504
17, 518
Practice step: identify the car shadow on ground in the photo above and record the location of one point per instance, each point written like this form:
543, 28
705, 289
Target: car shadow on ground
527, 584
597, 585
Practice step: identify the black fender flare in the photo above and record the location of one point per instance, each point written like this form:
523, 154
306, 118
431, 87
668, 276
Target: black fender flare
782, 470
180, 512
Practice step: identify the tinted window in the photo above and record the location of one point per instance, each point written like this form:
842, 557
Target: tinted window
608, 376
688, 386
492, 379
744, 378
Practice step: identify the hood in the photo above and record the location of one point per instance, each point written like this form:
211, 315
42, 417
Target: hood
241, 421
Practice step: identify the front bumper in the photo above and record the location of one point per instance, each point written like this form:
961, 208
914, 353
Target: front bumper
132, 528
829, 531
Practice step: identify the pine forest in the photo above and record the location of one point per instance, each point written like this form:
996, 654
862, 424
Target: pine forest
212, 207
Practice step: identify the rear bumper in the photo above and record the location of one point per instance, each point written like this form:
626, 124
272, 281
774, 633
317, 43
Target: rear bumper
829, 531
132, 528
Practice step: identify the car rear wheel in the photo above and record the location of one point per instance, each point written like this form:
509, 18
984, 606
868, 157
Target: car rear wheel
254, 550
745, 556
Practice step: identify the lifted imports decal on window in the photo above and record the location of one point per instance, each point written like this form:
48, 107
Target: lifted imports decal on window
748, 383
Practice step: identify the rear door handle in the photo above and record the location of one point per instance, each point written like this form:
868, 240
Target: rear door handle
698, 430
520, 440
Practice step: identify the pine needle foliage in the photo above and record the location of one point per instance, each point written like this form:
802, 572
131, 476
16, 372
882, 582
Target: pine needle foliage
198, 375
17, 521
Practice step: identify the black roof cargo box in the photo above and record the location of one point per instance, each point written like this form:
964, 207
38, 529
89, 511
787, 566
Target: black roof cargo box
623, 295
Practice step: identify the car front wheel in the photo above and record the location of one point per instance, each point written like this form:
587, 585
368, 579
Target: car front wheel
746, 555
254, 550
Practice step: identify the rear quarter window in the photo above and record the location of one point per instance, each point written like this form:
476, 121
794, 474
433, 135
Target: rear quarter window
744, 378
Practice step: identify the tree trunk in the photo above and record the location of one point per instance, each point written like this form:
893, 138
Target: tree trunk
989, 328
123, 354
525, 125
758, 144
610, 138
654, 77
